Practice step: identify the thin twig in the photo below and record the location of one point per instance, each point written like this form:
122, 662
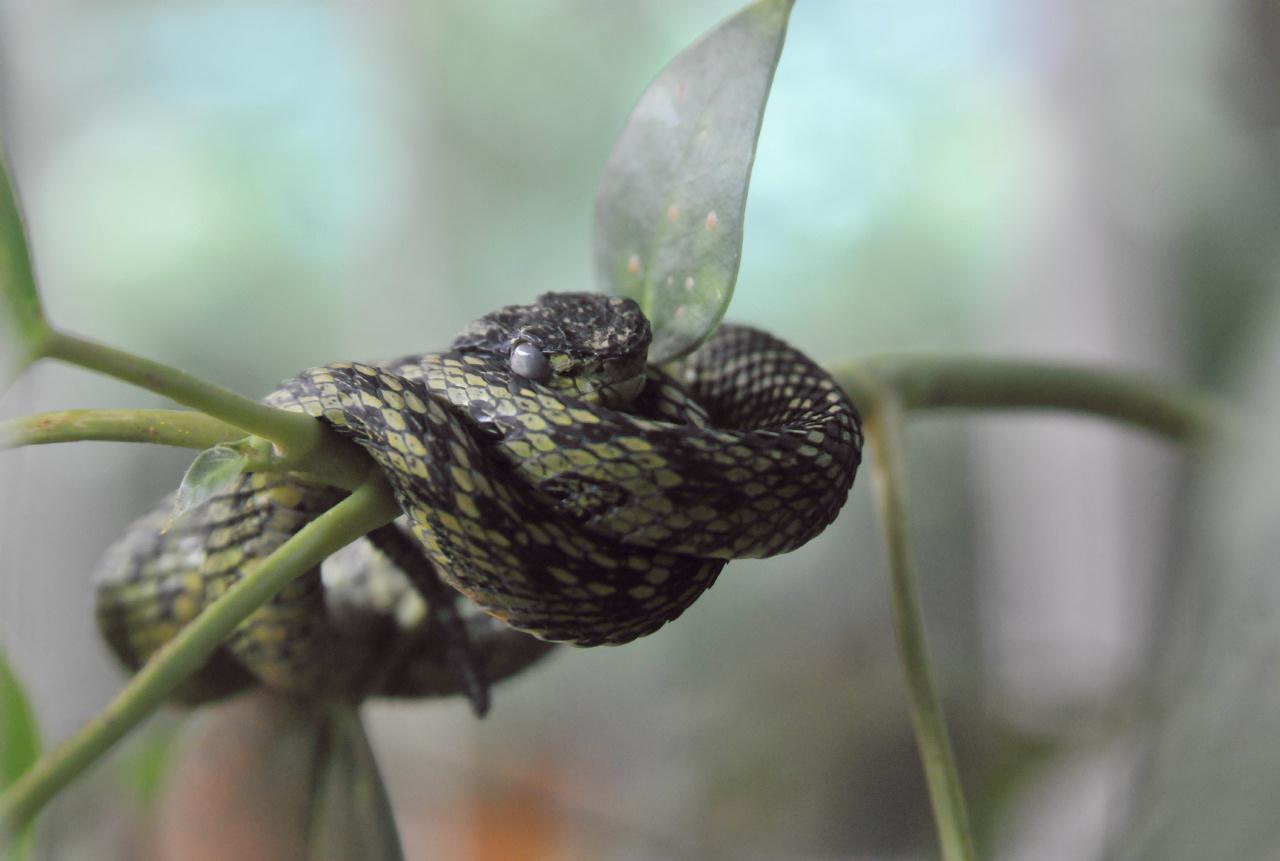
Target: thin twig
288, 430
927, 382
884, 431
181, 428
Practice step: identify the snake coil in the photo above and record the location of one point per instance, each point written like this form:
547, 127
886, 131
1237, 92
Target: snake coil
546, 472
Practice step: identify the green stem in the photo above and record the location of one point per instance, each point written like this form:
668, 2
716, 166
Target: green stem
290, 431
302, 444
368, 507
941, 382
180, 428
334, 461
884, 430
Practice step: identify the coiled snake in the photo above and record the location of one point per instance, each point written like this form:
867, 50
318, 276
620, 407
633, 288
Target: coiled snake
547, 473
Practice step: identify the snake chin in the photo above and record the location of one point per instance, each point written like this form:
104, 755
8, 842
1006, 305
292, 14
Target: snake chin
608, 391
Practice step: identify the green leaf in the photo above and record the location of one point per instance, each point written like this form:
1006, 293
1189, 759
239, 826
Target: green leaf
265, 776
213, 471
23, 328
19, 749
668, 220
351, 816
19, 734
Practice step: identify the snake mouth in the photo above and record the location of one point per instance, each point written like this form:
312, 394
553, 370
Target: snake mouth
614, 393
621, 392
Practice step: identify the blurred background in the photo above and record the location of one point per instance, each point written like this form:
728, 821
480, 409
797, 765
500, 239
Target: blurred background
247, 189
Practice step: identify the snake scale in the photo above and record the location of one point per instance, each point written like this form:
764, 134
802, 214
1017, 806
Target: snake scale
566, 488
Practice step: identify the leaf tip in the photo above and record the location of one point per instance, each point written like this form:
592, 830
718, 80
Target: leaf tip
669, 215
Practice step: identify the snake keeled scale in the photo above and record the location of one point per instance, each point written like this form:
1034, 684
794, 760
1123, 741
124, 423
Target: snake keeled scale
546, 471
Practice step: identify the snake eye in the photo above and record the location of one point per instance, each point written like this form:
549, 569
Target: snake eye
529, 362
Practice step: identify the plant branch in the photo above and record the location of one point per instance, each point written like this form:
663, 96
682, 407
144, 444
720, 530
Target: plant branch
942, 382
884, 430
335, 461
181, 428
290, 431
368, 507
302, 444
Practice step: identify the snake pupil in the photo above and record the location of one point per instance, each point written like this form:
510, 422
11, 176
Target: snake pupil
529, 362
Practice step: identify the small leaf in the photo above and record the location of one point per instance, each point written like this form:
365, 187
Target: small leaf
23, 327
241, 781
351, 815
19, 734
213, 471
264, 777
19, 749
668, 220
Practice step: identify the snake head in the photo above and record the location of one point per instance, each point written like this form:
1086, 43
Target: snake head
583, 345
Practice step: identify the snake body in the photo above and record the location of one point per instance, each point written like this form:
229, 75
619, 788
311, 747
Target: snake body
547, 473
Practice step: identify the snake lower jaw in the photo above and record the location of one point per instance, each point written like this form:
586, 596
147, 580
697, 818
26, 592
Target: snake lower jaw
612, 394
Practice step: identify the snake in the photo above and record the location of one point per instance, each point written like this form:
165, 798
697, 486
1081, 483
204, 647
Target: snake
560, 486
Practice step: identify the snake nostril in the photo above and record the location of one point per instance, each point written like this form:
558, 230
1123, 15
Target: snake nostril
530, 362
